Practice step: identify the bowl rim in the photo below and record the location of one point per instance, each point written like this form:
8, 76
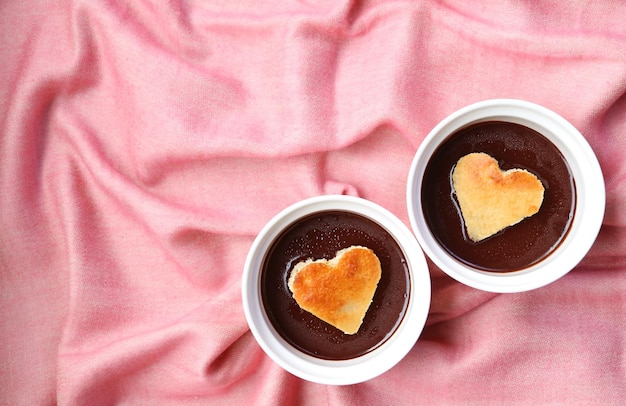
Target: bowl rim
590, 196
337, 372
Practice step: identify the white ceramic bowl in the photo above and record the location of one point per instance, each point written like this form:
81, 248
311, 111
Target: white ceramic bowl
354, 370
589, 195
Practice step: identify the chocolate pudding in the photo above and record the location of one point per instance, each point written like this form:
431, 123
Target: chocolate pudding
321, 235
513, 146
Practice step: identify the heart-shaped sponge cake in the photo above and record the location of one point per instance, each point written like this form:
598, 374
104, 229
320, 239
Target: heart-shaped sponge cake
491, 199
338, 291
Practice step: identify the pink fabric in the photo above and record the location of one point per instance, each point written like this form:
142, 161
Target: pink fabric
144, 144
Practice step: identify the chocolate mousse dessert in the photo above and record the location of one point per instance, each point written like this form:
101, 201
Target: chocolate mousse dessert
498, 196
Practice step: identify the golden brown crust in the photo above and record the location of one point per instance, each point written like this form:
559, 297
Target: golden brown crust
338, 291
492, 199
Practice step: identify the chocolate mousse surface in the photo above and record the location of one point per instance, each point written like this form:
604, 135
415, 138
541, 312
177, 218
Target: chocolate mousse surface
513, 146
321, 235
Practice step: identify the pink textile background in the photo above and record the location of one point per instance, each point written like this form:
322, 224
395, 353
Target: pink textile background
144, 144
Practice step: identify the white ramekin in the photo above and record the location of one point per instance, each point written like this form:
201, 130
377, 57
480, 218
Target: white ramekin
340, 372
589, 195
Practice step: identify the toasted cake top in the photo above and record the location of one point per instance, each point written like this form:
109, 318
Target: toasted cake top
491, 199
338, 291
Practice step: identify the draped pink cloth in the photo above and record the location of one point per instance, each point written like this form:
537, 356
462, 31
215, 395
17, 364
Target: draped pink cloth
144, 144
